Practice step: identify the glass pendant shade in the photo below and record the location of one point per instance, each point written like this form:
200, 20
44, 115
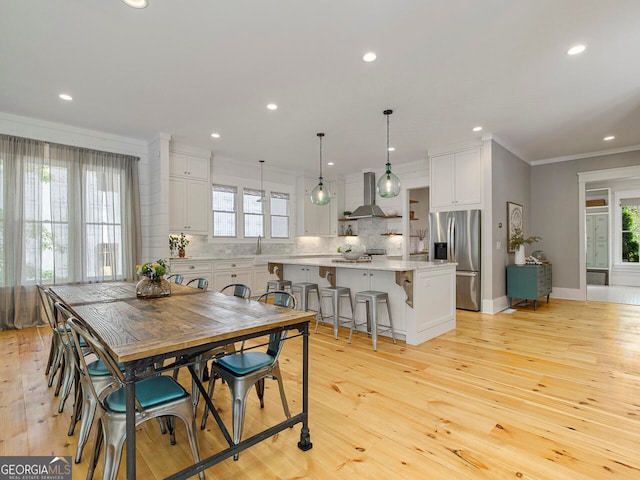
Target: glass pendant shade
320, 195
388, 184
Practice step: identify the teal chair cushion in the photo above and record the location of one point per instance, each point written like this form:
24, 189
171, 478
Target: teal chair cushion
150, 392
98, 368
243, 363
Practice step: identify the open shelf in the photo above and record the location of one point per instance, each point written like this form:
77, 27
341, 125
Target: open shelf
391, 234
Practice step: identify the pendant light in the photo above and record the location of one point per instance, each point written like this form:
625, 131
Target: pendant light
320, 194
388, 184
261, 199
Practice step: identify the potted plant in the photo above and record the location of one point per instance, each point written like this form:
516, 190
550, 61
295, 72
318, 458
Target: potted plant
517, 243
179, 243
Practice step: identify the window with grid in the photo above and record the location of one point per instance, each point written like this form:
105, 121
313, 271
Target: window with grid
279, 209
224, 211
253, 210
630, 211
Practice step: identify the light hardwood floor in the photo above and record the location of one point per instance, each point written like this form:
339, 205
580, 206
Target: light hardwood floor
551, 394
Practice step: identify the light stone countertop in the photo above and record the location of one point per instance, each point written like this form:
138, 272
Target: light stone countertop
375, 264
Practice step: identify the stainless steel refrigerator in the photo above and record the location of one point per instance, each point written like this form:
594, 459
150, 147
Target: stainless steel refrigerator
455, 237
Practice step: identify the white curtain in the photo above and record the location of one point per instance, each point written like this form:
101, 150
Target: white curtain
68, 215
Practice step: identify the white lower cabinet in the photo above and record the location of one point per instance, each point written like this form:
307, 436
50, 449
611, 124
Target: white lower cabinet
228, 272
192, 269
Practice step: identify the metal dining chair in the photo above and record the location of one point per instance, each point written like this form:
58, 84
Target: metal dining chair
157, 396
237, 290
56, 350
85, 404
177, 278
200, 366
201, 283
245, 369
65, 359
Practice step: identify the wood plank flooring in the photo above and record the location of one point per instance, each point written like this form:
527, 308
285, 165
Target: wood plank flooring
551, 394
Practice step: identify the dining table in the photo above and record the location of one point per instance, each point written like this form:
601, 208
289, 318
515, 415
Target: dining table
144, 333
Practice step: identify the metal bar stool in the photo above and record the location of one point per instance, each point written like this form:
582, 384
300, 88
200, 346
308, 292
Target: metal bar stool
278, 285
371, 299
303, 288
335, 294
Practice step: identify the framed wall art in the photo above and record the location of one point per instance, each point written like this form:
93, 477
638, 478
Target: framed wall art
514, 220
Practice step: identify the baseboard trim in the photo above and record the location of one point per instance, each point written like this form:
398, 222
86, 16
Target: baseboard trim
495, 305
567, 293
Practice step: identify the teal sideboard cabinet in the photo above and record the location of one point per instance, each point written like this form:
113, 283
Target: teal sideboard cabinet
528, 282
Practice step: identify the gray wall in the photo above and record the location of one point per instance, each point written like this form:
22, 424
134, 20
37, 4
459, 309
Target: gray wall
510, 181
554, 217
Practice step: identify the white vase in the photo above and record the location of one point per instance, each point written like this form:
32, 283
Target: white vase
520, 260
421, 245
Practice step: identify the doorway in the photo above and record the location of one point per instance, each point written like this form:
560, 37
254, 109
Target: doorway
609, 273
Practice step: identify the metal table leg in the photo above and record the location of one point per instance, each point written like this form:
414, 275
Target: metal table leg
130, 415
305, 439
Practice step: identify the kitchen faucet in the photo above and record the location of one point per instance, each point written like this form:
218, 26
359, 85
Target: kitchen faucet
259, 246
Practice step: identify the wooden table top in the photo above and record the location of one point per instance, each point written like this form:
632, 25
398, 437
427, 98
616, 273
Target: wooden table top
86, 293
142, 328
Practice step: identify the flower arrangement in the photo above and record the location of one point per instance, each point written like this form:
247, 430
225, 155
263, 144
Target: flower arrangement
153, 270
518, 240
178, 242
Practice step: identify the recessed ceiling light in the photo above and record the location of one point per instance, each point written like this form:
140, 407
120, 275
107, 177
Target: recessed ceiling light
369, 57
65, 96
330, 164
136, 3
576, 49
609, 138
272, 106
392, 149
215, 135
477, 129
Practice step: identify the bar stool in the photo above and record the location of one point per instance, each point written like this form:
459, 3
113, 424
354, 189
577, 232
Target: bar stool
371, 298
335, 294
303, 288
278, 285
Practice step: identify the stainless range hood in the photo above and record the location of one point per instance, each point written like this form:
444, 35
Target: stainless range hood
369, 209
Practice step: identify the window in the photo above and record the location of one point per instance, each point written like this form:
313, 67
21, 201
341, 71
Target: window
253, 209
279, 207
224, 211
630, 221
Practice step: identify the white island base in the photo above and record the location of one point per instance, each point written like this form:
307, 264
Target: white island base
422, 295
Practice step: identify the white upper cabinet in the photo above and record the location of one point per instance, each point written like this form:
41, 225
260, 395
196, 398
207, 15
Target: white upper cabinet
190, 166
456, 180
317, 220
189, 194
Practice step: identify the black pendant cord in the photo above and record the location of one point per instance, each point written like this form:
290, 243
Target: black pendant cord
387, 113
320, 135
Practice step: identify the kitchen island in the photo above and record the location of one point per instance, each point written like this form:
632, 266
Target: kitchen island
422, 295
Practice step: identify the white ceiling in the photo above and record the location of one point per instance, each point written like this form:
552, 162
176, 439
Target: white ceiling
192, 67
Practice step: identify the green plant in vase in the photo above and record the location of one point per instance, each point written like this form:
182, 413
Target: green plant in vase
178, 243
518, 242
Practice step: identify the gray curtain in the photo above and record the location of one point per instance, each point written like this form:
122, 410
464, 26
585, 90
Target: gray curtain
67, 215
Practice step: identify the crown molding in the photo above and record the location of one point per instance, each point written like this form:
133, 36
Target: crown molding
498, 140
598, 153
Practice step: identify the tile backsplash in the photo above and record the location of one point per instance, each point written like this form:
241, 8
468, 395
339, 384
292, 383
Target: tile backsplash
369, 232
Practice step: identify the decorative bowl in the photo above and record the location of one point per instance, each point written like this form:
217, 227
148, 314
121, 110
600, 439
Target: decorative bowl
353, 252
